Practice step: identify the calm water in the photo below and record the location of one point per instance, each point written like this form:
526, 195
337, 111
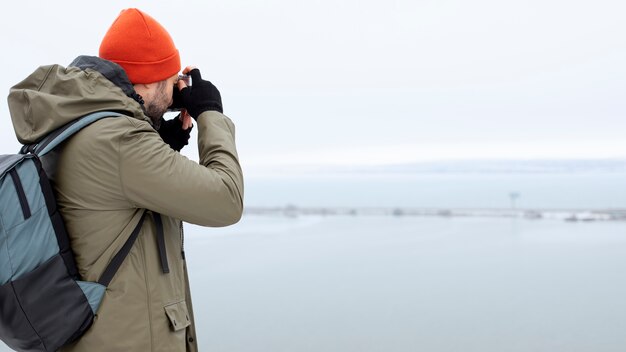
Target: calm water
410, 284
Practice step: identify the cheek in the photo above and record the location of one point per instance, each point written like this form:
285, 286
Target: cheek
169, 95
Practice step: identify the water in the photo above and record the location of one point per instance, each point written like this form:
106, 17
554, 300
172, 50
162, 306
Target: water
409, 284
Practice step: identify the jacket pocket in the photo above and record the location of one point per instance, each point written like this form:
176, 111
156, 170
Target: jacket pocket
178, 315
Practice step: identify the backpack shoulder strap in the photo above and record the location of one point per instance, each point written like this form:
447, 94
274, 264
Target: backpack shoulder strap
62, 133
119, 257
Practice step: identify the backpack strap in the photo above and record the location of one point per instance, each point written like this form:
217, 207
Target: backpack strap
57, 136
119, 257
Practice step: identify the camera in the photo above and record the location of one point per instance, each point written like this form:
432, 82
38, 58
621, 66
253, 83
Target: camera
177, 100
186, 79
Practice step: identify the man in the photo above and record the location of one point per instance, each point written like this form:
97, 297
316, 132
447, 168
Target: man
116, 169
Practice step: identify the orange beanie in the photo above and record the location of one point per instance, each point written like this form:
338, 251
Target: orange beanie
139, 44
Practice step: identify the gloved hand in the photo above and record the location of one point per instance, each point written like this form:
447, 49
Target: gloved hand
177, 100
172, 133
201, 96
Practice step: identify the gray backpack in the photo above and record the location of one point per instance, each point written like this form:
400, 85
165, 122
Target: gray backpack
43, 303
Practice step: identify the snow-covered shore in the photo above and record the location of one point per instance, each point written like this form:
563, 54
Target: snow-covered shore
571, 215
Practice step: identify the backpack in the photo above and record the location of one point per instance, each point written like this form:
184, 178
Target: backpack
43, 303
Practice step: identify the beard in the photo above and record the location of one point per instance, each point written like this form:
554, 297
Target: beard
156, 108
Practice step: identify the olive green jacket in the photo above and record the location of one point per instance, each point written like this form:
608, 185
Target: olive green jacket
106, 176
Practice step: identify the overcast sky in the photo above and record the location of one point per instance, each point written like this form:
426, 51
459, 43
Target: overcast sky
361, 82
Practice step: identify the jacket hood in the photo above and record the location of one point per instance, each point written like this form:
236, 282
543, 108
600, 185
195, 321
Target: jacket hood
54, 95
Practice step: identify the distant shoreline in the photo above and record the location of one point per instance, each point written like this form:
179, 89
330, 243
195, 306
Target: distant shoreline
570, 215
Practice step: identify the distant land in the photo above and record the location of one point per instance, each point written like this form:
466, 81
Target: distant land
570, 215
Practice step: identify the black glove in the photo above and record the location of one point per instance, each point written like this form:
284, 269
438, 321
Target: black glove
177, 100
172, 133
201, 96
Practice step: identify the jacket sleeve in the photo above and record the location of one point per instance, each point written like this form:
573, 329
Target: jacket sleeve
155, 177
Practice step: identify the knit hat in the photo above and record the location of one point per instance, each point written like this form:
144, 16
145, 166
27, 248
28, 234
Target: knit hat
139, 44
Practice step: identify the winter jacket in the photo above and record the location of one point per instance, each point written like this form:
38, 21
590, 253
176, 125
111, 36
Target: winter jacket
111, 172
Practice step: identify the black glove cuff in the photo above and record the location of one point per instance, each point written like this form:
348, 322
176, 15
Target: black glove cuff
214, 106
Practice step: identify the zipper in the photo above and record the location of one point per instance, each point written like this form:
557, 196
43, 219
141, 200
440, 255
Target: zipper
160, 237
182, 241
21, 195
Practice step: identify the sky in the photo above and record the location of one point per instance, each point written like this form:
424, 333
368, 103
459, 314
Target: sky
348, 82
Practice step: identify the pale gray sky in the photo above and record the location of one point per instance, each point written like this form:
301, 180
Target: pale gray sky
364, 82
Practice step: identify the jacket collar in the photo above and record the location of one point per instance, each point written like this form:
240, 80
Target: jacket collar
112, 71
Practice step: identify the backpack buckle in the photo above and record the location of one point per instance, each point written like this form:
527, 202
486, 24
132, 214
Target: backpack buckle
28, 148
